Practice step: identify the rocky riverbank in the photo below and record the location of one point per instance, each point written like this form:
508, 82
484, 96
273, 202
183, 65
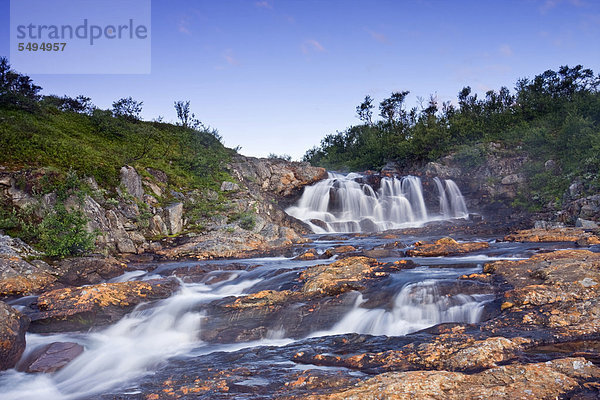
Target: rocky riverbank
537, 340
528, 313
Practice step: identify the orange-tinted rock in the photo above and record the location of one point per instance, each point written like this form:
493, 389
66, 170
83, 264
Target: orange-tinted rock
310, 254
444, 247
454, 351
13, 326
518, 381
565, 275
264, 298
339, 250
554, 235
18, 277
338, 277
83, 307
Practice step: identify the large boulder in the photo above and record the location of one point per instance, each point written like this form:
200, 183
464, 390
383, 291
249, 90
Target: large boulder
444, 247
280, 177
549, 380
17, 276
132, 182
174, 218
84, 307
13, 326
88, 270
578, 235
50, 357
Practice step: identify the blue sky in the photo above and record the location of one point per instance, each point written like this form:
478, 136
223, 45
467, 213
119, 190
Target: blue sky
277, 75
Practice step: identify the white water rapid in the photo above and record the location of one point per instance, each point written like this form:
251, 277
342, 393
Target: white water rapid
417, 306
345, 204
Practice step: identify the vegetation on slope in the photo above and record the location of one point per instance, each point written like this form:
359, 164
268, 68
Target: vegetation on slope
554, 116
71, 139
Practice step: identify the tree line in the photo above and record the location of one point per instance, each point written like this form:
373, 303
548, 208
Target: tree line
556, 112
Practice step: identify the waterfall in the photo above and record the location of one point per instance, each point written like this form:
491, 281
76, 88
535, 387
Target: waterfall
345, 204
416, 306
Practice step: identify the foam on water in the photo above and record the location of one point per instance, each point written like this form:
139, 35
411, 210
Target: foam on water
345, 204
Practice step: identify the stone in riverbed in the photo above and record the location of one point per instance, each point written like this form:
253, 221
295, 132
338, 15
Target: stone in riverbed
338, 250
338, 277
444, 247
554, 235
13, 326
84, 307
18, 277
88, 270
549, 380
585, 224
51, 357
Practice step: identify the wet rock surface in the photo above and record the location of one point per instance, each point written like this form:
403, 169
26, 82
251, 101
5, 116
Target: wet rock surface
321, 294
577, 235
88, 306
236, 244
552, 380
444, 247
13, 326
537, 337
50, 358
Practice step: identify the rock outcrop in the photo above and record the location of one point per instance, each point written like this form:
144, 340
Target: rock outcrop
577, 235
280, 177
444, 247
50, 358
149, 208
84, 307
13, 326
17, 276
552, 380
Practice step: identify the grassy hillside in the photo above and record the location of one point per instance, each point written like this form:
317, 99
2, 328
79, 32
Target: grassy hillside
100, 144
51, 143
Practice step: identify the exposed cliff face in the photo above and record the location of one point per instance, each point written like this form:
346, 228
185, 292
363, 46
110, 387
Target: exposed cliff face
489, 177
244, 215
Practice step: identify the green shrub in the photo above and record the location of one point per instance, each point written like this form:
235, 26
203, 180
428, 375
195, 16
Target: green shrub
62, 233
245, 220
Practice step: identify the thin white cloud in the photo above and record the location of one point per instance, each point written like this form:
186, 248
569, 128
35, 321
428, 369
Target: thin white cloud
183, 25
230, 58
550, 4
506, 50
312, 45
380, 37
264, 4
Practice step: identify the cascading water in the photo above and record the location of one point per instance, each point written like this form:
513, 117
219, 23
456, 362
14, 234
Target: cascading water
417, 306
343, 204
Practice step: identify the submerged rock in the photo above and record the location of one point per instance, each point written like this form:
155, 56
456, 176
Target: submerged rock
13, 326
51, 357
444, 247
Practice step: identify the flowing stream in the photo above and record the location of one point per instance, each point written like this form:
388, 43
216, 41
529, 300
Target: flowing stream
118, 357
343, 203
144, 340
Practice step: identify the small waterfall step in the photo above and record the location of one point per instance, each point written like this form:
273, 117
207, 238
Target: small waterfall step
343, 203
